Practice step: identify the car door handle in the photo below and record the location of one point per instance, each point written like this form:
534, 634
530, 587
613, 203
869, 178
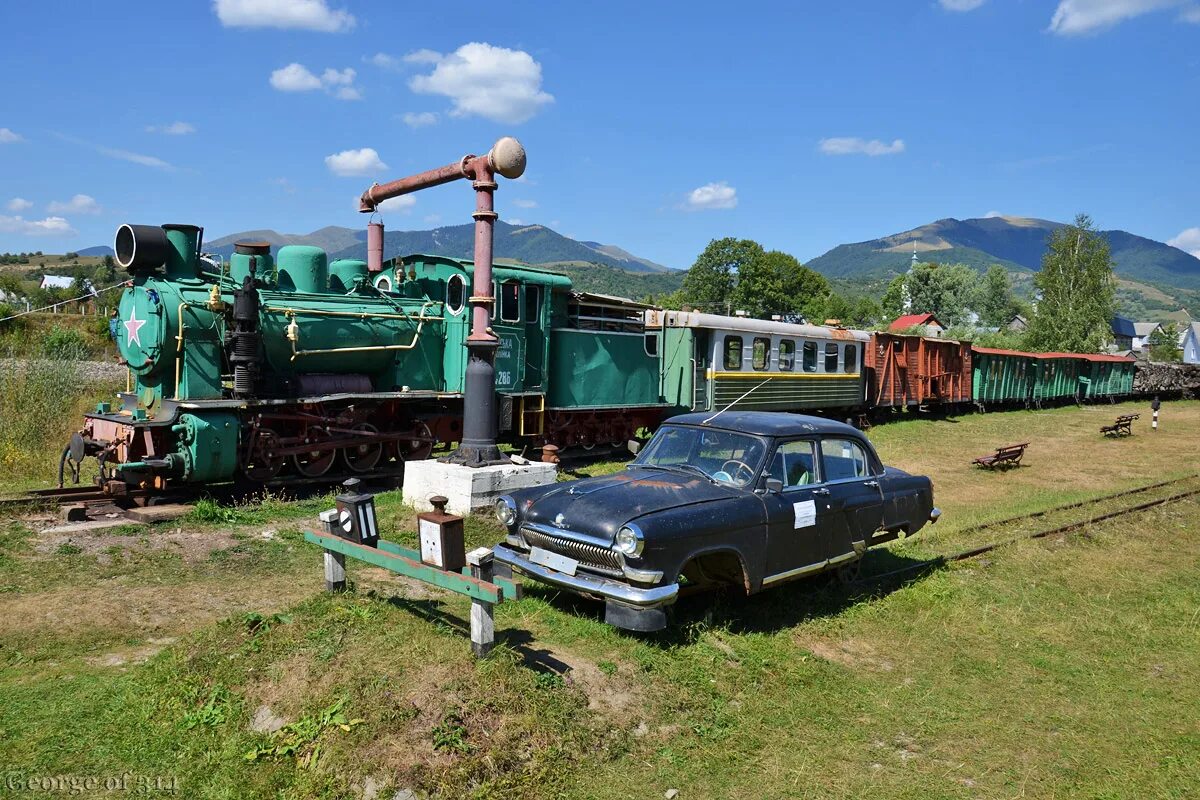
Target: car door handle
870, 483
822, 492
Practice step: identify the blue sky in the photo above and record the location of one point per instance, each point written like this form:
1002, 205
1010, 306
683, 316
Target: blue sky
654, 126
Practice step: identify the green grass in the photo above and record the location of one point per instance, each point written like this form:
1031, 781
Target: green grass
1064, 667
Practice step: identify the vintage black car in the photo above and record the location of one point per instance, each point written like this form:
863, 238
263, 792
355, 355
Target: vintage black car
748, 498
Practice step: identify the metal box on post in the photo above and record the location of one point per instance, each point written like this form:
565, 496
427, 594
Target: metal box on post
441, 535
356, 516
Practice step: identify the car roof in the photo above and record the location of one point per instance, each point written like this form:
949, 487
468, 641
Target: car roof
765, 423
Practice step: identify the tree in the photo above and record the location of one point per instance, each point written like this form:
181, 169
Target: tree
777, 283
710, 282
1078, 292
892, 302
994, 300
944, 290
1164, 343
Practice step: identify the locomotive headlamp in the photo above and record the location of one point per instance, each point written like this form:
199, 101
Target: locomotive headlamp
629, 541
506, 511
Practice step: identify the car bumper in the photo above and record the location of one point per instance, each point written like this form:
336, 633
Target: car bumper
588, 584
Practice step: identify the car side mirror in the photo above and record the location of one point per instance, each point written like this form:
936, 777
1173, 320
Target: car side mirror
634, 446
774, 485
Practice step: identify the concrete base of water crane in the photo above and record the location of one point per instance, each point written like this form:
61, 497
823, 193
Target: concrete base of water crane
470, 489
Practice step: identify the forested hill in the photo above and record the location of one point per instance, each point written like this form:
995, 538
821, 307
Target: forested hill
1016, 242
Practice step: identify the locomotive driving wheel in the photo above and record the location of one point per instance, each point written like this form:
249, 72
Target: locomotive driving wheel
261, 462
420, 446
316, 462
363, 457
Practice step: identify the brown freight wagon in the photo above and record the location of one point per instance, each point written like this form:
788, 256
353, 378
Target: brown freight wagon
917, 371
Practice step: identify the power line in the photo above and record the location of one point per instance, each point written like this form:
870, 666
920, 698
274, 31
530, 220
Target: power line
91, 294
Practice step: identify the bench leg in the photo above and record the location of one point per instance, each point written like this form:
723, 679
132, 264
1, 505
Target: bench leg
483, 620
335, 571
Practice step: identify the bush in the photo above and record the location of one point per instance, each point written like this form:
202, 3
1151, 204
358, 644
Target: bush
64, 345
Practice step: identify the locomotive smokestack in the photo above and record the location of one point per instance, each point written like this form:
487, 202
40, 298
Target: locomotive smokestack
374, 247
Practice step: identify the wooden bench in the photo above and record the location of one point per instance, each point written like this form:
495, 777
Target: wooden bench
1007, 456
1122, 427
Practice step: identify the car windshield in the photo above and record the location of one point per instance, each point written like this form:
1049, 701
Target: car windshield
724, 456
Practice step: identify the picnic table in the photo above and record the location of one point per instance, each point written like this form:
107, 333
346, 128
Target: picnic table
1007, 456
1122, 427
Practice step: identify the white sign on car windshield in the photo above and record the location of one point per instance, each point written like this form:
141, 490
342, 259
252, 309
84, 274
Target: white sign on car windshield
806, 513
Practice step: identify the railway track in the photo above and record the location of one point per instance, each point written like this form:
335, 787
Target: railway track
1068, 527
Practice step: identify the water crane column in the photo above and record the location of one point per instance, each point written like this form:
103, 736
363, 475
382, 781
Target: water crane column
506, 158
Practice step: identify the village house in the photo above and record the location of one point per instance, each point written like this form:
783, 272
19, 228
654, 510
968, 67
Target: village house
928, 324
1130, 335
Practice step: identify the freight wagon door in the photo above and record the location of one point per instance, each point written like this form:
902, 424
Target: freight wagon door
510, 330
700, 371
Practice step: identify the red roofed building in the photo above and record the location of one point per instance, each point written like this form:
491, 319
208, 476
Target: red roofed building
928, 322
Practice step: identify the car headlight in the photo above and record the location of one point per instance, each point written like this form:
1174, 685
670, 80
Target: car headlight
506, 511
629, 541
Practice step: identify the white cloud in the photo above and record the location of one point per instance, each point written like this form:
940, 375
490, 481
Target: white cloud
961, 5
992, 215
492, 82
364, 161
9, 137
419, 118
297, 78
1073, 17
383, 61
135, 158
174, 129
79, 204
515, 221
402, 204
525, 203
50, 226
18, 204
711, 196
854, 146
294, 78
431, 219
1188, 240
423, 56
1191, 14
311, 15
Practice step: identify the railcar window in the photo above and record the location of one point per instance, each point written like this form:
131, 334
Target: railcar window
787, 355
533, 304
651, 342
831, 356
851, 362
733, 352
794, 464
761, 353
843, 459
456, 290
810, 356
510, 301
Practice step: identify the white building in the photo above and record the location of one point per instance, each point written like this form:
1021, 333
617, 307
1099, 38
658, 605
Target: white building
1190, 344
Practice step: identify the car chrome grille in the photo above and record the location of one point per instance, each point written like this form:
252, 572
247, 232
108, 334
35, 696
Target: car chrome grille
588, 555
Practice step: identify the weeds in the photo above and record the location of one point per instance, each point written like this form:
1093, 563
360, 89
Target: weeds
451, 734
214, 711
299, 739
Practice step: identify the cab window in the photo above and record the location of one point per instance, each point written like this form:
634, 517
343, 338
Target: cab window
456, 290
810, 356
851, 362
794, 464
787, 355
533, 304
762, 352
831, 356
843, 459
733, 352
650, 342
510, 301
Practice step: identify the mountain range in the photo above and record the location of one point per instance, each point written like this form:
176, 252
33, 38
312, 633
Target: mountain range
1015, 242
1147, 267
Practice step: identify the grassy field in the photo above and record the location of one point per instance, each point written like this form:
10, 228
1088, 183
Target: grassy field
1063, 667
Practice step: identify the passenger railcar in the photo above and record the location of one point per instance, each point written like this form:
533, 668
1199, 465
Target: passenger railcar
711, 361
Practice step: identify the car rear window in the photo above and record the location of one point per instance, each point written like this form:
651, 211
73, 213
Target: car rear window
843, 458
